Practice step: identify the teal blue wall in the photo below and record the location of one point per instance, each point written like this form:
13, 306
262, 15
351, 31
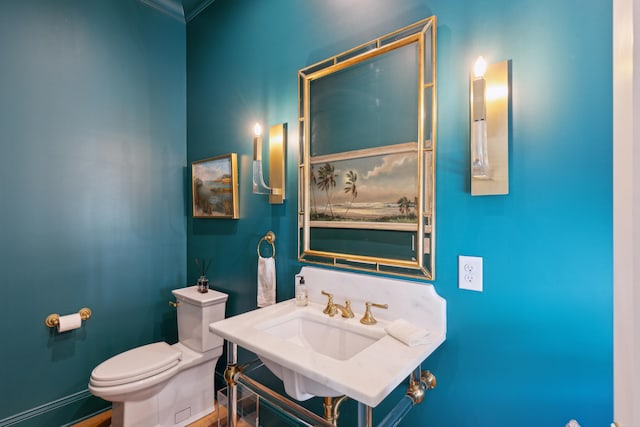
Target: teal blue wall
534, 349
92, 178
95, 193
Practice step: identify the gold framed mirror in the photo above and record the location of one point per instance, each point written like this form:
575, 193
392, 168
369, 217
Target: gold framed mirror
367, 155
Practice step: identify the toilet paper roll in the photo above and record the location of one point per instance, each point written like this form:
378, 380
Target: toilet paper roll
69, 322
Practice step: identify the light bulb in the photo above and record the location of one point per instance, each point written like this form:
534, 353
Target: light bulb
480, 67
257, 129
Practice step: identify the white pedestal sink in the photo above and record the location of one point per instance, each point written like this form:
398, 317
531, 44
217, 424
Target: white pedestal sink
317, 355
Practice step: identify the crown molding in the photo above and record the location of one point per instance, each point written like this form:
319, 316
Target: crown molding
172, 8
197, 9
181, 10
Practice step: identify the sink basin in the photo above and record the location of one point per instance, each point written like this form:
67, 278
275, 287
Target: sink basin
319, 335
333, 338
317, 355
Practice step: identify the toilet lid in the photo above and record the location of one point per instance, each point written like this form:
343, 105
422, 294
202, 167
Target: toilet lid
136, 364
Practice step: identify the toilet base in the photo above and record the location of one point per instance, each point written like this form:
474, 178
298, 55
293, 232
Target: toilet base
187, 397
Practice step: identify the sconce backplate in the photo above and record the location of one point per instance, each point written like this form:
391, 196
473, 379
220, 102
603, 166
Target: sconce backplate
497, 110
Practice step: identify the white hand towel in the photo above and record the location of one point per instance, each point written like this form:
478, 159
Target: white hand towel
266, 281
407, 333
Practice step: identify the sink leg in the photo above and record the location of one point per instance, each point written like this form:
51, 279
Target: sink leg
332, 408
232, 387
365, 418
328, 410
415, 390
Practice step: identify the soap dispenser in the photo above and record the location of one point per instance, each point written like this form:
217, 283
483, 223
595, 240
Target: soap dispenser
301, 292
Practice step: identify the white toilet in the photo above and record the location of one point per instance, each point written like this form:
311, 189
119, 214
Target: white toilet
158, 384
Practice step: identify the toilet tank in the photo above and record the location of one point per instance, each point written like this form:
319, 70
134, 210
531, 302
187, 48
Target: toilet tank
195, 311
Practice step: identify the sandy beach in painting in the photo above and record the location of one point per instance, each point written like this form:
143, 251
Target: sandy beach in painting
362, 211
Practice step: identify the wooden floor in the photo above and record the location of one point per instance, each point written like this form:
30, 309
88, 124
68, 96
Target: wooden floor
104, 420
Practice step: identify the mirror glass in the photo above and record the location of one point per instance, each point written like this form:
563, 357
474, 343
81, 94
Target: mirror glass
366, 175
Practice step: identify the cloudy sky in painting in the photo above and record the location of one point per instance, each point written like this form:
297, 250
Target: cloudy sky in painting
380, 179
210, 171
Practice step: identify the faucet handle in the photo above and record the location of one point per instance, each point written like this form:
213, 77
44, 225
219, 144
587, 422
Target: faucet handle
368, 318
330, 309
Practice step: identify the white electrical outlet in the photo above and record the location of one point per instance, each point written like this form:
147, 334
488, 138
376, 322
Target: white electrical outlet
470, 273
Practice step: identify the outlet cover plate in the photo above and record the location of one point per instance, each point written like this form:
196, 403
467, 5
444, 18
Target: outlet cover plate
470, 273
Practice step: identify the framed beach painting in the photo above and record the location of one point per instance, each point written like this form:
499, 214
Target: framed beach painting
215, 187
375, 188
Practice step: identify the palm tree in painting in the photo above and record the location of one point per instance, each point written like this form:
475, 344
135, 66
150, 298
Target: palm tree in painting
327, 181
404, 204
350, 187
314, 208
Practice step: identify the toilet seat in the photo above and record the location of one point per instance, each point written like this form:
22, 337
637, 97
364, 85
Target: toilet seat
135, 365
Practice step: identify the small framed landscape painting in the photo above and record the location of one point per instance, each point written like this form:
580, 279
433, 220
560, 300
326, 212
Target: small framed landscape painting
215, 187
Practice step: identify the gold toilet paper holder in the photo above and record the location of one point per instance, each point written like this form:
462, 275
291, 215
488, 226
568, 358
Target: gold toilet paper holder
53, 319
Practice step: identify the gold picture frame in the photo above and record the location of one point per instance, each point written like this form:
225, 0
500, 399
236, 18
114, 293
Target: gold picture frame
215, 187
366, 176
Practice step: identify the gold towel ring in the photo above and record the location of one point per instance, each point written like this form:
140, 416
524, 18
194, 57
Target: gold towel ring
270, 237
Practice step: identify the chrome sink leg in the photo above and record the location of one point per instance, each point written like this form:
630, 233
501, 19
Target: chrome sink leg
232, 386
415, 390
365, 418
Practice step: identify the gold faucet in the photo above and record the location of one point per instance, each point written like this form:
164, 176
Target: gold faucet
368, 318
345, 309
332, 308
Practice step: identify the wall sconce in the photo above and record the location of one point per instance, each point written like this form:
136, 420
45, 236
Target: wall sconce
277, 163
489, 128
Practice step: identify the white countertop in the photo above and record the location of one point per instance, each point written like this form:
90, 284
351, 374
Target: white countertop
373, 373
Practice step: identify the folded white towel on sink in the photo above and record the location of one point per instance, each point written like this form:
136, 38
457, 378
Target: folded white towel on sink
408, 333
